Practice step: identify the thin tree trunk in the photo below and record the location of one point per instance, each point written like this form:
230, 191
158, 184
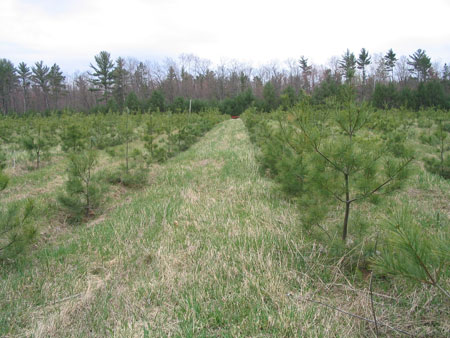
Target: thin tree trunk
442, 155
24, 100
46, 101
128, 141
347, 208
88, 201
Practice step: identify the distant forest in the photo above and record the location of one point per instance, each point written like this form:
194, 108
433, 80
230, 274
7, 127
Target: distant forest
387, 81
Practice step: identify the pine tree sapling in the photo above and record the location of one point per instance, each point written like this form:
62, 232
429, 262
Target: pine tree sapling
73, 138
15, 232
441, 165
345, 165
37, 141
149, 140
83, 192
132, 173
156, 152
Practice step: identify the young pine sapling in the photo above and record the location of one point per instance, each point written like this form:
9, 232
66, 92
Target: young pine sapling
15, 232
344, 163
83, 193
440, 166
38, 141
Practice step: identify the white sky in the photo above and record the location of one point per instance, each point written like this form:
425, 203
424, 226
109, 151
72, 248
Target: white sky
71, 32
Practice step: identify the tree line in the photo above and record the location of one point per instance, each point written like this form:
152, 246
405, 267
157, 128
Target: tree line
386, 80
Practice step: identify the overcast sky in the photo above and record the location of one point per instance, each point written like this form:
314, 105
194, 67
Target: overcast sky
71, 32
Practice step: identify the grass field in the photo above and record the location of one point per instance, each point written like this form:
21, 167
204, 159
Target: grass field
208, 248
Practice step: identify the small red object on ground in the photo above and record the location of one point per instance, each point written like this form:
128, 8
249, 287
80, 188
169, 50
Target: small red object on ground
234, 117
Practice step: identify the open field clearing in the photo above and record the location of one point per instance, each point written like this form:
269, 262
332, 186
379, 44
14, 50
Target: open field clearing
207, 248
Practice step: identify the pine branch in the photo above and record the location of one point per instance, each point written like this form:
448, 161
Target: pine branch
9, 244
391, 178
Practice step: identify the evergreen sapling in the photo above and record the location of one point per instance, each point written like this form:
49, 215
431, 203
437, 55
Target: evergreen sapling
83, 194
15, 232
344, 163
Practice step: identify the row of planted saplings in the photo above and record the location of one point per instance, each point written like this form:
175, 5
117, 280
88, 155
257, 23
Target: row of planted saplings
131, 145
330, 161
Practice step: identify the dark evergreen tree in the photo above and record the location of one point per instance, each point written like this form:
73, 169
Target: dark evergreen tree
328, 88
288, 98
132, 102
420, 64
170, 84
8, 81
41, 79
306, 72
363, 61
446, 73
244, 81
103, 74
56, 83
389, 61
348, 65
157, 101
24, 75
270, 97
385, 96
120, 75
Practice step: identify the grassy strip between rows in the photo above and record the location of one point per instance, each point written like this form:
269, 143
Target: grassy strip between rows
207, 249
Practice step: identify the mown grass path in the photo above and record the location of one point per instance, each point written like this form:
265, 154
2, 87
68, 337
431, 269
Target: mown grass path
207, 249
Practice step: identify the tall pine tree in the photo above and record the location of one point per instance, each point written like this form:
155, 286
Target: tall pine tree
8, 80
348, 65
24, 75
103, 78
56, 82
119, 75
389, 61
41, 79
363, 61
420, 64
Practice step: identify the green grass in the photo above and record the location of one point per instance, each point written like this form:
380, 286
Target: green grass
209, 248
